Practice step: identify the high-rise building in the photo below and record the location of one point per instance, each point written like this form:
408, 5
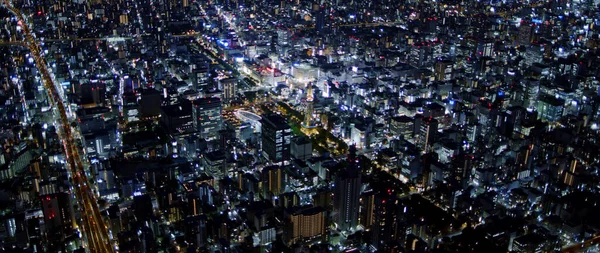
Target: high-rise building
196, 230
425, 131
301, 148
228, 86
367, 209
386, 225
550, 108
443, 70
427, 161
272, 181
200, 74
401, 126
346, 197
57, 212
177, 118
463, 166
525, 34
419, 55
323, 199
276, 138
114, 218
90, 94
149, 104
306, 222
215, 163
485, 48
320, 19
207, 114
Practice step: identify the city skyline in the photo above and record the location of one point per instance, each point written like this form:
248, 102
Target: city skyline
299, 126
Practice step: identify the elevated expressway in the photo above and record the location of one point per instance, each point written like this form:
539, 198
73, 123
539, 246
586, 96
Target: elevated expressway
94, 229
246, 116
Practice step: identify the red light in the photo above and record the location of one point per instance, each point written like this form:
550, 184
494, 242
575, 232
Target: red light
39, 13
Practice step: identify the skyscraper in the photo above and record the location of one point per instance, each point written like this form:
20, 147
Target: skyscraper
276, 137
207, 114
346, 198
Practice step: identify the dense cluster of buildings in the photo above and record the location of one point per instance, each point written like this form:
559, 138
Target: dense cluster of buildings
304, 126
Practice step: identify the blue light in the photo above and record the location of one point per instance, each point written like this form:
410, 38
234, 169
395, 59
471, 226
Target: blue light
223, 43
501, 93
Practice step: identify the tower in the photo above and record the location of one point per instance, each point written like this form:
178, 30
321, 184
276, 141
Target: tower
309, 107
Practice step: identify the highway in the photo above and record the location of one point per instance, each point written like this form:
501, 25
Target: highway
581, 247
95, 231
196, 34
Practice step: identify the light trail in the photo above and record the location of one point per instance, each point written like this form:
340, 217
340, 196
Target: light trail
93, 225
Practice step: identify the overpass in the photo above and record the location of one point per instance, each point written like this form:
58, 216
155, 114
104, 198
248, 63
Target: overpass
246, 116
